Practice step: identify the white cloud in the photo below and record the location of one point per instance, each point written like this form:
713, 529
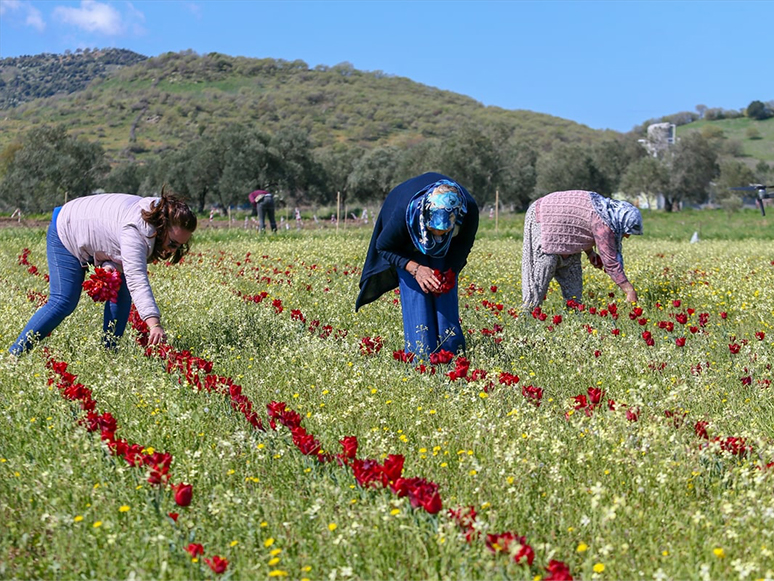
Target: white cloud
92, 17
35, 19
136, 20
6, 5
31, 15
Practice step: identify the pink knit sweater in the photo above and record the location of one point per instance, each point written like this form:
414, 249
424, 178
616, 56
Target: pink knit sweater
569, 224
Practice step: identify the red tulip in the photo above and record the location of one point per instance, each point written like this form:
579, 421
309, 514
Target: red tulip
558, 571
217, 564
195, 549
183, 494
393, 467
349, 444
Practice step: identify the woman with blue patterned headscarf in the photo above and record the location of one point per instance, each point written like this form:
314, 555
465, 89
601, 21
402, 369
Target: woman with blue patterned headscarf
426, 224
561, 225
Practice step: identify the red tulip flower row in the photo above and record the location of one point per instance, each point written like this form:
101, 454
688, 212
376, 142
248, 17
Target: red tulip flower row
315, 327
368, 473
31, 268
196, 372
157, 463
103, 285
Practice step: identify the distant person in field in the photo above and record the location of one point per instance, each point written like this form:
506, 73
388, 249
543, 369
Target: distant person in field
263, 207
426, 227
299, 221
117, 232
561, 225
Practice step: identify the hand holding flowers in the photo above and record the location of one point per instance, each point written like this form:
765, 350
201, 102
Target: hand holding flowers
447, 279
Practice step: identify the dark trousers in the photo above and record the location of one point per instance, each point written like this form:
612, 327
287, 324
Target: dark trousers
266, 208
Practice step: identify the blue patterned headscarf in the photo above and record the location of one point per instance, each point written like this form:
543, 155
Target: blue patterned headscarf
621, 217
440, 211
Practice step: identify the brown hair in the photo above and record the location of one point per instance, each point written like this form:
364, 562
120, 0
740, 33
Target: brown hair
169, 211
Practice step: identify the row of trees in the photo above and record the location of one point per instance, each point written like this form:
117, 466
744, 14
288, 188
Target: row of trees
221, 167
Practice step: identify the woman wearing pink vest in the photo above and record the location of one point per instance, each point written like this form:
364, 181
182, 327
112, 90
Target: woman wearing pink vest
561, 225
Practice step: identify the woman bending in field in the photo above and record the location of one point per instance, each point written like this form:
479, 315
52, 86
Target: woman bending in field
120, 233
426, 226
561, 225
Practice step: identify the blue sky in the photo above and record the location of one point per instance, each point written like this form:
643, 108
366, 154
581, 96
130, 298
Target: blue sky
611, 64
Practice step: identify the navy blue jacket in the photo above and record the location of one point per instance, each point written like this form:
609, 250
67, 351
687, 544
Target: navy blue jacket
391, 247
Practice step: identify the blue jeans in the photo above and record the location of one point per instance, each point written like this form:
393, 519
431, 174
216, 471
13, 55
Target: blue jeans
66, 277
430, 323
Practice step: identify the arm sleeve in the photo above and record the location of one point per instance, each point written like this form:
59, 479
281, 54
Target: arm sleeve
604, 238
394, 243
134, 256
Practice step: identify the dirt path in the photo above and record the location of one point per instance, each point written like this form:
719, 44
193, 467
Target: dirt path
6, 222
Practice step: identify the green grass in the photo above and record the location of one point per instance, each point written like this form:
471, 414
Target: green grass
612, 498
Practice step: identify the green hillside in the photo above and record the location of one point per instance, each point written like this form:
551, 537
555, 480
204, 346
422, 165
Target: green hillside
26, 78
755, 139
163, 102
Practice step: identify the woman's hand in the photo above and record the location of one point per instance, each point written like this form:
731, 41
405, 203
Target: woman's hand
424, 276
156, 335
631, 294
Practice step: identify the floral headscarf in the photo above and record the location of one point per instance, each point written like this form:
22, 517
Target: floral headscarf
437, 210
621, 217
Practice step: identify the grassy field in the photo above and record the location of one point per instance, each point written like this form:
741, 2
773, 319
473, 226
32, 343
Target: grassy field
616, 442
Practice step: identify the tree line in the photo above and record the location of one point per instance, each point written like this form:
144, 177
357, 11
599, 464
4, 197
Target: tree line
48, 164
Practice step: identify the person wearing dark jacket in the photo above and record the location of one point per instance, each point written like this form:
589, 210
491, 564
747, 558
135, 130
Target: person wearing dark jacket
421, 241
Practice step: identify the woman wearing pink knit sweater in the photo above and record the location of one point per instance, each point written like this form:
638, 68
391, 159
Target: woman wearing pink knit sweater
561, 225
